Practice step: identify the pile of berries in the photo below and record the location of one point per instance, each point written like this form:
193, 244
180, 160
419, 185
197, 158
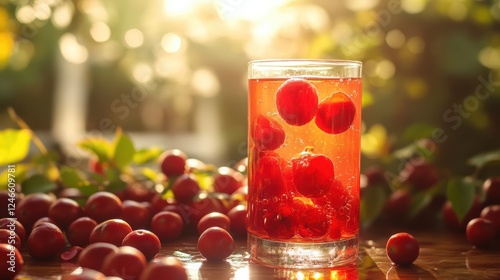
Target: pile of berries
120, 234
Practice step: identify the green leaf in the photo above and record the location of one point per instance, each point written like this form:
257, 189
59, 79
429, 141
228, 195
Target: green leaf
89, 189
71, 178
37, 183
460, 192
147, 155
116, 186
150, 174
371, 205
418, 131
484, 159
123, 149
14, 145
97, 146
45, 159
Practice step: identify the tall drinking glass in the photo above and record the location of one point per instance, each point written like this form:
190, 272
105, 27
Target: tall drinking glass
304, 162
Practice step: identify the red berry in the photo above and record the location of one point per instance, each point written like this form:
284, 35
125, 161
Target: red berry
14, 225
10, 237
491, 190
145, 241
173, 162
335, 114
45, 241
214, 219
127, 263
111, 231
97, 166
185, 187
402, 249
78, 232
167, 225
64, 211
480, 232
492, 213
311, 221
102, 206
71, 254
450, 217
313, 174
94, 254
238, 217
227, 180
135, 214
268, 178
216, 244
84, 274
420, 174
297, 101
279, 222
267, 133
10, 255
398, 204
33, 207
167, 266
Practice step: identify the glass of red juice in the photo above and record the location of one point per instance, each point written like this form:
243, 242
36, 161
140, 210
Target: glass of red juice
304, 162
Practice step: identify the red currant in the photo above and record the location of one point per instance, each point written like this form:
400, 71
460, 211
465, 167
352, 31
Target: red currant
335, 114
297, 101
313, 174
402, 249
267, 133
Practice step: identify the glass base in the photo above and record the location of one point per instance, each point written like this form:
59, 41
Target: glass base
303, 255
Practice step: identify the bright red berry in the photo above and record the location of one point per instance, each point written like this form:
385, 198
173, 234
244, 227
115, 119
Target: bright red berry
402, 249
480, 232
297, 101
216, 244
313, 174
267, 133
335, 114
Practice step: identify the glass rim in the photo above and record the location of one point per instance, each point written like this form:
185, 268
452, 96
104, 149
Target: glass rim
304, 61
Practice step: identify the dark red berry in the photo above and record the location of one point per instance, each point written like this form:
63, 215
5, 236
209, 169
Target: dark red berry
491, 190
216, 244
45, 241
185, 187
313, 174
311, 221
297, 101
268, 177
335, 114
173, 162
267, 133
480, 232
492, 213
402, 249
279, 222
420, 174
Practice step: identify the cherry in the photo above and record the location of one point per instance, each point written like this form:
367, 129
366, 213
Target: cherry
397, 205
135, 214
267, 133
64, 211
238, 217
167, 225
173, 162
492, 213
45, 241
214, 219
14, 225
311, 221
33, 207
145, 241
279, 222
10, 237
185, 187
402, 249
420, 174
480, 232
78, 232
84, 274
97, 166
102, 206
268, 177
297, 101
127, 262
71, 254
491, 190
11, 262
227, 180
170, 266
313, 174
335, 113
94, 254
111, 231
215, 244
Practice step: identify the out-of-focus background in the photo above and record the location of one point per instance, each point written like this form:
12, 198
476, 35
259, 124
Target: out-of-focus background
172, 73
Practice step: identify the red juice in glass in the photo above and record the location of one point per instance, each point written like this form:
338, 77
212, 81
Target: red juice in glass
304, 160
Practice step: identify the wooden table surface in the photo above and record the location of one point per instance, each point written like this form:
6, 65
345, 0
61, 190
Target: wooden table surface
443, 255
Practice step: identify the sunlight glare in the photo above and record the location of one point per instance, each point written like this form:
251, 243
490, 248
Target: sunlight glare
251, 10
72, 50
